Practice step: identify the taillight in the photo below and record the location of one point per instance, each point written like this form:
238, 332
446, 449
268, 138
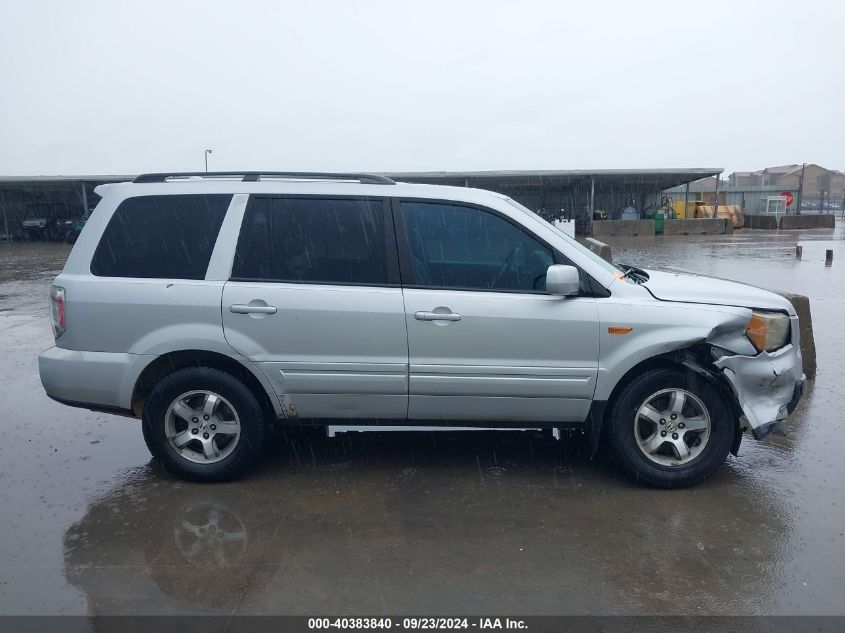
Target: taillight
57, 310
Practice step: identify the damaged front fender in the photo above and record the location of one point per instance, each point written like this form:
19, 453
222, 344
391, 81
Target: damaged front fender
767, 385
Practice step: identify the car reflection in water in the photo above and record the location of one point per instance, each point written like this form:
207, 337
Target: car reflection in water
154, 546
410, 523
209, 533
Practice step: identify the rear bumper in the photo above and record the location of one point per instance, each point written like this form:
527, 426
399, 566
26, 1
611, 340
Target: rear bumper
101, 381
91, 406
767, 386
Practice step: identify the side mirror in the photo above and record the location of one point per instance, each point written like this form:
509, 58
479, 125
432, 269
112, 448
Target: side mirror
562, 281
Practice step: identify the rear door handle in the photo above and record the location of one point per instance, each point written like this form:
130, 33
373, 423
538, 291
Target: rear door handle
437, 316
240, 308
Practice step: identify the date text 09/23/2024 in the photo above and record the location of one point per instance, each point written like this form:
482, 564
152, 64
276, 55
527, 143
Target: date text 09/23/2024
416, 623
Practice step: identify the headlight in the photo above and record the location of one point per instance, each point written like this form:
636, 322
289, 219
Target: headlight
768, 331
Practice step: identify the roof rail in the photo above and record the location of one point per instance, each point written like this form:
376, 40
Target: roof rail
255, 176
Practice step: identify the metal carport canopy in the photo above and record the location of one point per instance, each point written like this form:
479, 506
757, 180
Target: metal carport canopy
654, 179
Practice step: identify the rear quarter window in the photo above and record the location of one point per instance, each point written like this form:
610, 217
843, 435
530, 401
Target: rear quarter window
167, 237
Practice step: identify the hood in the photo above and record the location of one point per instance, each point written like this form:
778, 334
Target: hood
691, 288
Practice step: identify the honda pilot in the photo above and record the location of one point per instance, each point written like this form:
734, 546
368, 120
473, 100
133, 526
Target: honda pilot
214, 307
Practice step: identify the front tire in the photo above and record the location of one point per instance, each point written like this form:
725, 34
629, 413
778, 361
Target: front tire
203, 424
670, 429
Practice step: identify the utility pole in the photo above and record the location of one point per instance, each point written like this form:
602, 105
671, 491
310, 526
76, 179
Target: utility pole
825, 190
716, 202
84, 201
800, 190
5, 219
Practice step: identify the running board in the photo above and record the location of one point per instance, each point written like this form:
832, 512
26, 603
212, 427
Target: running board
334, 429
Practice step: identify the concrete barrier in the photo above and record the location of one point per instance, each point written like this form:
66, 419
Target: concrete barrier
766, 222
789, 222
805, 320
623, 227
600, 248
820, 221
698, 226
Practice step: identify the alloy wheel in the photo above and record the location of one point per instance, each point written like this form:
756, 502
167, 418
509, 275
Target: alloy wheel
202, 426
672, 427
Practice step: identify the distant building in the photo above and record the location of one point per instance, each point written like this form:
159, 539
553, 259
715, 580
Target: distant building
820, 186
743, 179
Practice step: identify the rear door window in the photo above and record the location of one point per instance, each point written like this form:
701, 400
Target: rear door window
316, 240
167, 237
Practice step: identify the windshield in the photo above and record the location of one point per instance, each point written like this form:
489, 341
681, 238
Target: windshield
571, 241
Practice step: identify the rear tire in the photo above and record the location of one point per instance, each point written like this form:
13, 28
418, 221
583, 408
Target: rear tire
670, 429
205, 425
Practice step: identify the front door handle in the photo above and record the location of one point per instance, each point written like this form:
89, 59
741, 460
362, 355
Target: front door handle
240, 308
437, 316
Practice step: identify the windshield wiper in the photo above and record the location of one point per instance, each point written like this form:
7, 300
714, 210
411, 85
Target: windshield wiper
638, 275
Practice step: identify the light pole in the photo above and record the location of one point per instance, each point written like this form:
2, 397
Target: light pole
207, 152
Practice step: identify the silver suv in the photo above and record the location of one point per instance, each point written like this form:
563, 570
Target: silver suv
213, 306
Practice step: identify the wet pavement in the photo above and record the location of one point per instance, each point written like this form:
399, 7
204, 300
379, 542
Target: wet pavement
423, 523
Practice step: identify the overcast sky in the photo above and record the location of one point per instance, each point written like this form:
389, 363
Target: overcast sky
90, 87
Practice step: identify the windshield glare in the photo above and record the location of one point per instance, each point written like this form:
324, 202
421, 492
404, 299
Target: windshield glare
571, 241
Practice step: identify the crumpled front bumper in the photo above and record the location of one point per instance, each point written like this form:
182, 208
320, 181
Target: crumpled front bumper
767, 386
